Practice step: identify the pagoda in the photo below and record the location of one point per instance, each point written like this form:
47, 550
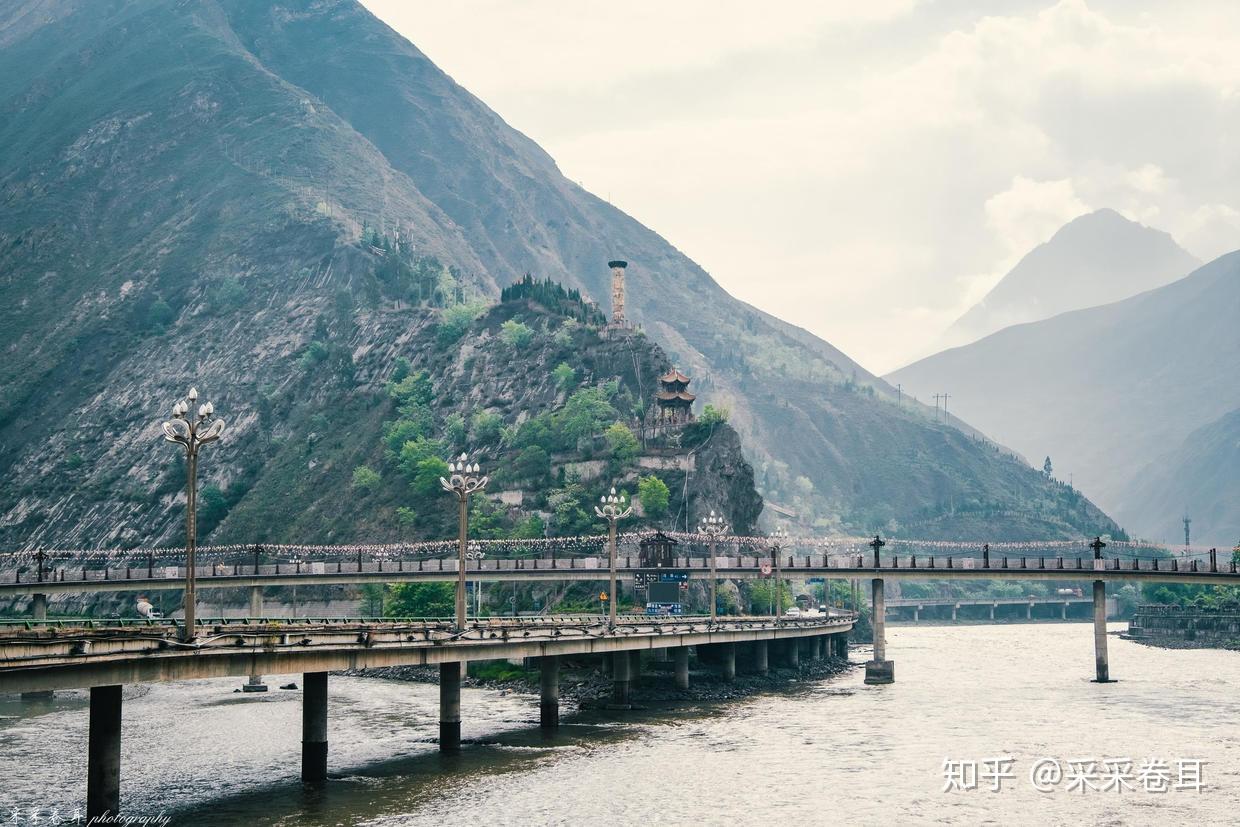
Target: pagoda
673, 402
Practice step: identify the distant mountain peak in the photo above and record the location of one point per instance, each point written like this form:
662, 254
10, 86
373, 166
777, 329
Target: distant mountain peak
1096, 258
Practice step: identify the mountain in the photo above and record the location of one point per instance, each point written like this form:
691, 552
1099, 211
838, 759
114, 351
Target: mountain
198, 192
1200, 477
1107, 390
1097, 258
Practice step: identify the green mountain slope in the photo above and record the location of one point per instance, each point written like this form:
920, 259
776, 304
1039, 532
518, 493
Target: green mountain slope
186, 188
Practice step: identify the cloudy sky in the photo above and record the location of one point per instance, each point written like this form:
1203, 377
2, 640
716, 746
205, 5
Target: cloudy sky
866, 170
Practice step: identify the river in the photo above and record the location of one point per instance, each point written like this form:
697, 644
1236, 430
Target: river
833, 751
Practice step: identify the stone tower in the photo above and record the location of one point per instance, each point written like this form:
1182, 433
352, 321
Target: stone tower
617, 292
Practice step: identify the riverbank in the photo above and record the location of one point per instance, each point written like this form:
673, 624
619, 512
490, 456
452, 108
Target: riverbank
1180, 643
588, 687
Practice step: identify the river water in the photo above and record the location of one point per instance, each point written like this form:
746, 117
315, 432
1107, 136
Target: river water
832, 751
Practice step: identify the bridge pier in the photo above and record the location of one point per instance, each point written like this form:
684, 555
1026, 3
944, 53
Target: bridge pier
38, 606
792, 653
1029, 612
1063, 611
103, 752
681, 655
635, 667
760, 658
916, 613
450, 706
727, 662
1100, 633
955, 607
879, 670
38, 611
549, 684
841, 646
621, 683
992, 611
255, 683
314, 728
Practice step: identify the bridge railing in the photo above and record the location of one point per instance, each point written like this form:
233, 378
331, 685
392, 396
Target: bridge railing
497, 622
790, 565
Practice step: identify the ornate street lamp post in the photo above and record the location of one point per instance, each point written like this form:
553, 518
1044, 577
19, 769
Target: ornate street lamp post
464, 480
613, 509
476, 553
191, 431
779, 539
713, 526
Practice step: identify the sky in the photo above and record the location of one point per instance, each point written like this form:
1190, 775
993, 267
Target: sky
865, 170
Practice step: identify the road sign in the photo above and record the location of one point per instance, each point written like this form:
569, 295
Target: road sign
766, 568
673, 576
602, 595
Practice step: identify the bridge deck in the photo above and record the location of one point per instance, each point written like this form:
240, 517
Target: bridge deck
590, 569
59, 658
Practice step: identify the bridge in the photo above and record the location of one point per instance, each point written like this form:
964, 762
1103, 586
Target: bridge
920, 604
38, 655
105, 657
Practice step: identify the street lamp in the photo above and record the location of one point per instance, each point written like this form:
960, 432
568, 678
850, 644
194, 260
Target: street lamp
614, 508
192, 431
464, 480
779, 539
713, 526
476, 553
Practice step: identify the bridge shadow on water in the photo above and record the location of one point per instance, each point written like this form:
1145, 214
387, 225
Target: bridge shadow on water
411, 787
417, 782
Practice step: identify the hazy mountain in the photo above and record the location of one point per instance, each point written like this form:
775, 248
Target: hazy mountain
1098, 258
1200, 478
186, 188
1107, 390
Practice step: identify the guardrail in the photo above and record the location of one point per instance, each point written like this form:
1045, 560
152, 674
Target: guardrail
793, 563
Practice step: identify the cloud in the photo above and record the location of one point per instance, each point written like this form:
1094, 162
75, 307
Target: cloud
861, 167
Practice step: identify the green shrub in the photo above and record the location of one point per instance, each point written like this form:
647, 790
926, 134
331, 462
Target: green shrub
654, 496
533, 463
421, 600
315, 354
484, 427
426, 476
622, 444
565, 376
365, 479
515, 334
456, 320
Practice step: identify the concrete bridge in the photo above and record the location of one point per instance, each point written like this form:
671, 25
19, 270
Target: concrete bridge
104, 657
79, 579
36, 656
920, 604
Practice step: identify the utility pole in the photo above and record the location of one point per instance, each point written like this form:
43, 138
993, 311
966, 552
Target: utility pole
937, 397
946, 419
899, 395
1187, 522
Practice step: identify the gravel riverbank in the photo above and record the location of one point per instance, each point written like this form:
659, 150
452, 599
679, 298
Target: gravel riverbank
588, 687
